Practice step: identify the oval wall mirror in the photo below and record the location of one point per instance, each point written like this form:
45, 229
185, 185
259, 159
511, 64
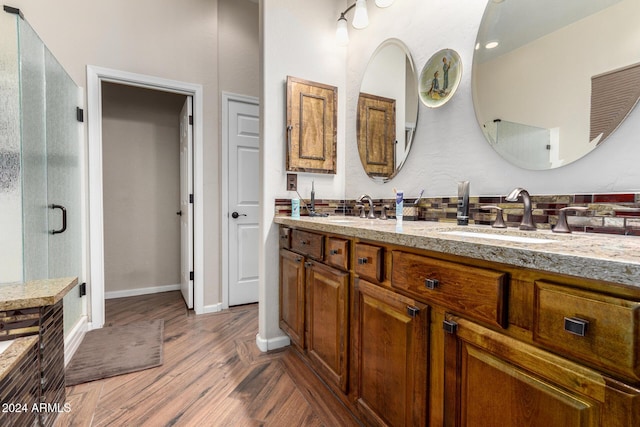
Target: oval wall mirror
552, 80
387, 111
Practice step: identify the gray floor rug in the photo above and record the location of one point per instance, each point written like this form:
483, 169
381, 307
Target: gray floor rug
116, 350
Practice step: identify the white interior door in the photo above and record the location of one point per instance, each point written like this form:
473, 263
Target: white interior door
186, 202
243, 143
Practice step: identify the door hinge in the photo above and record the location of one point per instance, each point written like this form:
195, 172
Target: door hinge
83, 289
14, 11
80, 114
191, 120
190, 198
191, 275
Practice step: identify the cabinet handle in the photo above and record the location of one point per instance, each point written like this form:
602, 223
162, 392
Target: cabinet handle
576, 326
283, 236
431, 283
412, 311
334, 252
450, 326
362, 261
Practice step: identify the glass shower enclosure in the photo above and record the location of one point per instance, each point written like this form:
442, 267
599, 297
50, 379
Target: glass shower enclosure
40, 160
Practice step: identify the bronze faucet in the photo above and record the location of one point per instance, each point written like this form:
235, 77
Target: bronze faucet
527, 217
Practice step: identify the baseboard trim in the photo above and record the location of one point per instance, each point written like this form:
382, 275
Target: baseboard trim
74, 338
272, 343
213, 308
140, 291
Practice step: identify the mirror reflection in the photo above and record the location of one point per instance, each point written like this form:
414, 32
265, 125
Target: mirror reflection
552, 80
387, 111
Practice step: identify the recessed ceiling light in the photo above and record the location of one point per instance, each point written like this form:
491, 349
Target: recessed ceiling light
477, 46
491, 45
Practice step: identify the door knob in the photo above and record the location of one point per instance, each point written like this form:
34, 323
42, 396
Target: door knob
179, 213
236, 215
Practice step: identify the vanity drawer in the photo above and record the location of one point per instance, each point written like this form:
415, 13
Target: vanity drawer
369, 261
337, 253
285, 238
598, 329
310, 244
477, 292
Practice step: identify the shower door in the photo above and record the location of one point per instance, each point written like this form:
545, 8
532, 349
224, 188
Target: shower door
63, 181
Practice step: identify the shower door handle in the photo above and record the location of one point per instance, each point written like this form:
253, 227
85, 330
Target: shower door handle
64, 219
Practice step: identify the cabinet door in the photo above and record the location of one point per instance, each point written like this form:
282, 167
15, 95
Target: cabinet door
292, 296
493, 380
327, 321
390, 339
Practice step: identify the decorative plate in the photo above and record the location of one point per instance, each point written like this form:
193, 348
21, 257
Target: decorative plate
440, 78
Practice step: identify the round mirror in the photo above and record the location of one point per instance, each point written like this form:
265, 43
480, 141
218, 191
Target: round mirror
387, 111
553, 79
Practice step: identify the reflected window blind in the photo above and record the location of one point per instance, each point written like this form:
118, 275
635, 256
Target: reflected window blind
613, 96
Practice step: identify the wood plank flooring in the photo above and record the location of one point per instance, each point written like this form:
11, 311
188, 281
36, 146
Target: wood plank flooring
213, 375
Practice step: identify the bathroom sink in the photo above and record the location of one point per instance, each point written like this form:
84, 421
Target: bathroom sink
502, 237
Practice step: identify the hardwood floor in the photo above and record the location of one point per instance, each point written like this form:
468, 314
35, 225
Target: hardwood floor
213, 375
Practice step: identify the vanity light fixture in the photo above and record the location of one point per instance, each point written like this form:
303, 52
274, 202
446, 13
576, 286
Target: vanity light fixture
360, 19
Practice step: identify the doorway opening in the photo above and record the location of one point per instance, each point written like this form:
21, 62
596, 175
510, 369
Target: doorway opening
141, 168
96, 77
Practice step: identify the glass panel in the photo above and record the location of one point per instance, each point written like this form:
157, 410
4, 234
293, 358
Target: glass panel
10, 191
63, 179
34, 166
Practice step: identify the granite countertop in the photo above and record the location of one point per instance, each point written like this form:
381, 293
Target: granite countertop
37, 293
609, 258
10, 358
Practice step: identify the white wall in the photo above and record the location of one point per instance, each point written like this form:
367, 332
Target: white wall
298, 39
449, 145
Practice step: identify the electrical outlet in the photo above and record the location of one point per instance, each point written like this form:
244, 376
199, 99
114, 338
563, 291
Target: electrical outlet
292, 182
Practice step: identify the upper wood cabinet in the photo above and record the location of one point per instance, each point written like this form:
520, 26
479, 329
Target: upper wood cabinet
376, 127
311, 126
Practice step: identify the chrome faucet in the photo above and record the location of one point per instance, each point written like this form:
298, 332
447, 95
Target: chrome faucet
527, 217
367, 198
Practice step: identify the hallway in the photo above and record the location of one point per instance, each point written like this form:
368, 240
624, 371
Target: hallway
213, 375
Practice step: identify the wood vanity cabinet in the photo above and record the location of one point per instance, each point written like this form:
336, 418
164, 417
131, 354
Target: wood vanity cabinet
390, 342
437, 339
314, 301
494, 380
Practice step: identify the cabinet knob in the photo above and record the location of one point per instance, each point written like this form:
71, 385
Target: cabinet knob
308, 264
303, 242
362, 261
431, 283
576, 326
334, 252
298, 259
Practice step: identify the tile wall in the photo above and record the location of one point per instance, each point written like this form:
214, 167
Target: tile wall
617, 213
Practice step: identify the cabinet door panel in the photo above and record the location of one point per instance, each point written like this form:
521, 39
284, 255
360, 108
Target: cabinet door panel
292, 296
391, 351
494, 380
327, 322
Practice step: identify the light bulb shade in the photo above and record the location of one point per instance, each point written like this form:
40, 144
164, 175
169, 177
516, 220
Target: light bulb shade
361, 17
342, 32
384, 3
